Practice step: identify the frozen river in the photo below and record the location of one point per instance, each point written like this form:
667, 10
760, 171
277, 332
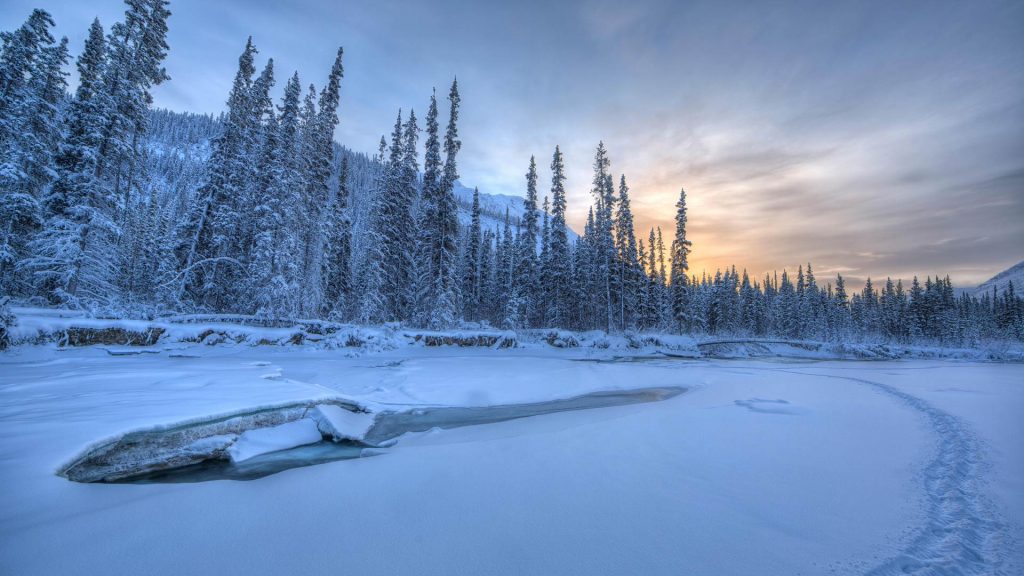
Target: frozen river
744, 467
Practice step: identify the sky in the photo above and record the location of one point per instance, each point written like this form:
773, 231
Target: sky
868, 138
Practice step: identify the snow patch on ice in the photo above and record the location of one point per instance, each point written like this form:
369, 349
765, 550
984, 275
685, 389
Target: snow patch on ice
253, 443
342, 424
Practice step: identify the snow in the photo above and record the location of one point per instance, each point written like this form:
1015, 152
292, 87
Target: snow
762, 466
342, 424
261, 441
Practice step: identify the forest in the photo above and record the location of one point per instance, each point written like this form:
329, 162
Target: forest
111, 206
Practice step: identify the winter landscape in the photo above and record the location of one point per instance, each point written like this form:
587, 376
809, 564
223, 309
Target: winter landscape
458, 288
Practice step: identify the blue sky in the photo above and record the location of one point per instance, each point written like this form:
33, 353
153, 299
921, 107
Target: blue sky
881, 138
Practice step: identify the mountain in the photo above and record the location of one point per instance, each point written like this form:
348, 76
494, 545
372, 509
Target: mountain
178, 147
1013, 274
492, 210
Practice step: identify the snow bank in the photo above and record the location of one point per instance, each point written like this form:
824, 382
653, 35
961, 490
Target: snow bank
70, 328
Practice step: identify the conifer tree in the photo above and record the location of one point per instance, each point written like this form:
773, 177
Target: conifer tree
444, 258
680, 266
371, 281
528, 267
557, 286
630, 273
31, 84
207, 248
471, 278
337, 271
72, 249
426, 239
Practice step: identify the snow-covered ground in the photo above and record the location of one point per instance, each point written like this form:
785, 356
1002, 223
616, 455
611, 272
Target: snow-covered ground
758, 467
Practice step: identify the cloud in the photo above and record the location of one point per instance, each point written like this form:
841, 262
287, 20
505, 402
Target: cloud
874, 139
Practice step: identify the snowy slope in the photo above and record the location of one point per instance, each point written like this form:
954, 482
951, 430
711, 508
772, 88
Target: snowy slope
1013, 274
492, 210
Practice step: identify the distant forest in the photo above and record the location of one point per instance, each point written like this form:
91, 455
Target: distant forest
112, 207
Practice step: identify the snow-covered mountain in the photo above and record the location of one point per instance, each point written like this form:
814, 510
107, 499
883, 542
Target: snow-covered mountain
179, 146
1013, 274
492, 209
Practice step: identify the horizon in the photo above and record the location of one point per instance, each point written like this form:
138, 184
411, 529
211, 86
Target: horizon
765, 121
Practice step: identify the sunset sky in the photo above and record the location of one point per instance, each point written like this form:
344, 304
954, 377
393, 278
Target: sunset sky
870, 138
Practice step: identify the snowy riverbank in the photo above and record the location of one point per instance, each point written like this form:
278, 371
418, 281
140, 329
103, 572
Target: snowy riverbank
69, 328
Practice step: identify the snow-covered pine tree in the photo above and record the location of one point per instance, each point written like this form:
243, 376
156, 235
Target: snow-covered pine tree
31, 84
426, 226
372, 306
630, 272
275, 263
404, 231
527, 267
603, 239
209, 237
337, 273
557, 288
447, 297
318, 155
507, 293
320, 147
73, 248
487, 307
136, 49
680, 267
471, 264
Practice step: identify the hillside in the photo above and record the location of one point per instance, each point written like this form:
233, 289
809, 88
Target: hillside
1013, 274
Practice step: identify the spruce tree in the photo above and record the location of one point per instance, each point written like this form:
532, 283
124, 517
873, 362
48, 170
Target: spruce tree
558, 277
337, 271
371, 282
527, 270
31, 83
209, 239
680, 266
446, 287
630, 273
471, 266
72, 250
428, 214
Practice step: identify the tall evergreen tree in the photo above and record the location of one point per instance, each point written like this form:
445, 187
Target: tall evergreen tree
277, 271
428, 214
680, 266
558, 259
471, 267
31, 83
136, 49
319, 136
444, 258
337, 271
72, 250
371, 281
527, 269
209, 247
630, 273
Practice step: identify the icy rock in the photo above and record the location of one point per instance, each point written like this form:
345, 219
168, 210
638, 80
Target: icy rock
342, 424
259, 441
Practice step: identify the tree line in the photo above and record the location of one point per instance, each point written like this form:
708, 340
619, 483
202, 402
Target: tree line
115, 208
